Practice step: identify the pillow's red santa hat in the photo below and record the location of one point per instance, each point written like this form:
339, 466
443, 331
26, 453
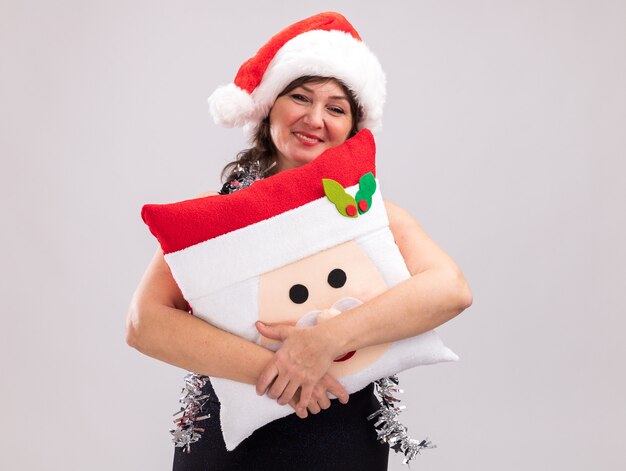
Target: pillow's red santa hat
325, 45
213, 242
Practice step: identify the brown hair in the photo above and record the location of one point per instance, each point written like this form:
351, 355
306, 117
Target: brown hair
260, 156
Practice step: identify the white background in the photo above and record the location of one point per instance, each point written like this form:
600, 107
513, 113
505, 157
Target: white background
504, 136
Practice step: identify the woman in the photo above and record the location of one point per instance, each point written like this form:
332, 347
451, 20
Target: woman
308, 89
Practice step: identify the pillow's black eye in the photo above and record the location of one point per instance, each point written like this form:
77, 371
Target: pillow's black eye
298, 294
337, 278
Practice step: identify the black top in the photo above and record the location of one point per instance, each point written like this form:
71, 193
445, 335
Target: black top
338, 438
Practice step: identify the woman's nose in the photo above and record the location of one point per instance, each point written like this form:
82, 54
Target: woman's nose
327, 314
314, 117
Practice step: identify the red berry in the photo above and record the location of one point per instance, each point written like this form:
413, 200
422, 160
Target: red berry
363, 205
351, 210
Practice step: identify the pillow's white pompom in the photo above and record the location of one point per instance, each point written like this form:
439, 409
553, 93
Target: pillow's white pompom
230, 106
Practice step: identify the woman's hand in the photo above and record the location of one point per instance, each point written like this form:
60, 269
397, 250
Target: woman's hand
319, 399
301, 364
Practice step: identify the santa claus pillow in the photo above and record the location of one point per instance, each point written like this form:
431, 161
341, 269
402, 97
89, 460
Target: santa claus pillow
301, 246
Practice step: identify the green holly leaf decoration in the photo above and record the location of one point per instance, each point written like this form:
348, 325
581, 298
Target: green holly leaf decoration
345, 204
367, 188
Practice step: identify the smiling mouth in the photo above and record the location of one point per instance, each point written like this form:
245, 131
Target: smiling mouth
307, 139
345, 357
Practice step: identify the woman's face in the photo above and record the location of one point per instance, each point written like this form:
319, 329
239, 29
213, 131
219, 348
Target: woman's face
308, 120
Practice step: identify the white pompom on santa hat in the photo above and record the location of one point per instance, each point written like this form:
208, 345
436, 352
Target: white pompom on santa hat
324, 45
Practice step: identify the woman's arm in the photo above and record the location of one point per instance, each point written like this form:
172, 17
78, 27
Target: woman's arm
435, 293
158, 326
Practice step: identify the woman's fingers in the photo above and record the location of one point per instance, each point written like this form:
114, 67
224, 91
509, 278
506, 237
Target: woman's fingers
305, 395
266, 378
275, 332
278, 388
335, 387
321, 397
299, 412
288, 393
314, 407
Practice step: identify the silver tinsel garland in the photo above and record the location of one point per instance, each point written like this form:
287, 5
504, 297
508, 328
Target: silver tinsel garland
388, 428
192, 400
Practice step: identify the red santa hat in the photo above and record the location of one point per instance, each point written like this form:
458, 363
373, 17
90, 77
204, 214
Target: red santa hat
325, 45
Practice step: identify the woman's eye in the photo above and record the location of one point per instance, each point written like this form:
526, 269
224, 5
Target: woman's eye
337, 110
298, 97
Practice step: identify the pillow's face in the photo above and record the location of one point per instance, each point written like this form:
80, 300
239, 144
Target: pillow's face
300, 247
319, 287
